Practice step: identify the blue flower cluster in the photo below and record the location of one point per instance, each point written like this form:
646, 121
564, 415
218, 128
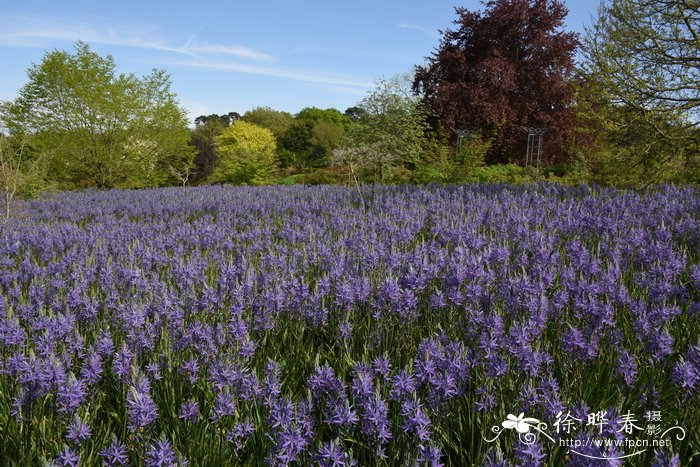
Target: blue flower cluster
220, 325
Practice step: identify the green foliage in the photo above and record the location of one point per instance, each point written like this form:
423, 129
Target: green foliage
641, 66
21, 171
502, 173
246, 155
203, 140
99, 127
437, 163
331, 115
312, 137
276, 121
332, 175
618, 145
441, 163
392, 121
224, 119
646, 54
368, 162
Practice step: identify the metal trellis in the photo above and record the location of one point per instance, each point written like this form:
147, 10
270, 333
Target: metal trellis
534, 145
461, 136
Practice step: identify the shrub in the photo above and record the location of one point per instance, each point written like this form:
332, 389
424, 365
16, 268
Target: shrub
332, 175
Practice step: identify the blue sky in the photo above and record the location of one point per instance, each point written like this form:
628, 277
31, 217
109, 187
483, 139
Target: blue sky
233, 55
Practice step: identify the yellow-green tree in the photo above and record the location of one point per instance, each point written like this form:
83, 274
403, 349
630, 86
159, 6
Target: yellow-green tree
246, 155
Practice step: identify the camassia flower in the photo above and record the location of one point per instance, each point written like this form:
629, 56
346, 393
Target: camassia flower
388, 327
521, 423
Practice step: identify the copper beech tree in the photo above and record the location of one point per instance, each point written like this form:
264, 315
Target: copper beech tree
508, 66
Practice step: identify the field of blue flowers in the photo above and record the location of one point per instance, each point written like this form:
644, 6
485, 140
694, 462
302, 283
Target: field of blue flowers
226, 326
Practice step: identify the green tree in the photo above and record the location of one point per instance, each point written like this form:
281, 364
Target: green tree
643, 57
618, 145
203, 140
331, 115
391, 121
21, 169
99, 127
276, 121
224, 119
310, 140
246, 155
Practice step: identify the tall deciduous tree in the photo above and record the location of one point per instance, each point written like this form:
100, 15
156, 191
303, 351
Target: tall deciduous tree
100, 127
391, 124
203, 140
246, 155
506, 67
21, 170
276, 121
312, 136
645, 56
223, 119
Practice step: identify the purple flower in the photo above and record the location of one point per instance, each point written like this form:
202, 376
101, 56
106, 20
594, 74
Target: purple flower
11, 332
344, 333
416, 421
375, 420
530, 455
281, 413
363, 382
685, 375
305, 419
331, 454
78, 431
324, 383
67, 458
486, 401
153, 370
272, 386
494, 458
121, 366
340, 413
660, 344
663, 458
71, 395
429, 455
141, 409
627, 367
247, 348
189, 411
224, 406
161, 454
51, 374
240, 433
191, 369
402, 385
115, 454
382, 366
289, 444
92, 369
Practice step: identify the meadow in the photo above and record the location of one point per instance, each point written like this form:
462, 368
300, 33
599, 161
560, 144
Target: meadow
225, 325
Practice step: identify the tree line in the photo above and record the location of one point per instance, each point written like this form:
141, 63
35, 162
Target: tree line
623, 111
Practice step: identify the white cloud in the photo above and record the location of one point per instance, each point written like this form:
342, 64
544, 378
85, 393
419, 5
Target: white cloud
21, 31
187, 51
333, 79
413, 27
205, 48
